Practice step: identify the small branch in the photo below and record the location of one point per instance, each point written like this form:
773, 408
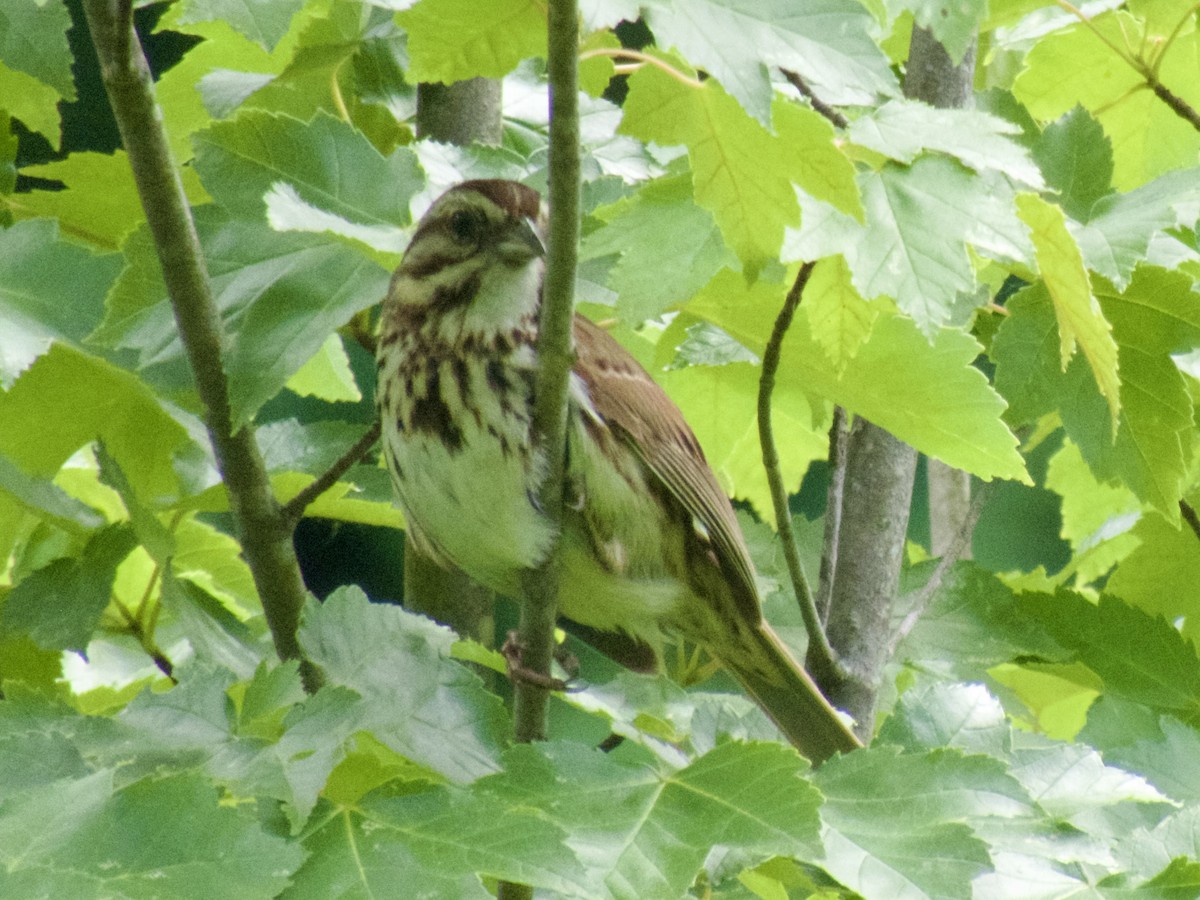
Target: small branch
555, 356
794, 79
294, 508
954, 553
146, 639
642, 59
1176, 103
819, 651
1189, 516
265, 536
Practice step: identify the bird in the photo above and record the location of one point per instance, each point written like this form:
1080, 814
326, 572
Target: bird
650, 547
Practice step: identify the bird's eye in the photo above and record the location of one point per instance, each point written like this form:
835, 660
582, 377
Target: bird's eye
465, 226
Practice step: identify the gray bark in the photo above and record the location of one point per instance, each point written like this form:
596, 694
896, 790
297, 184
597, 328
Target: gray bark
878, 479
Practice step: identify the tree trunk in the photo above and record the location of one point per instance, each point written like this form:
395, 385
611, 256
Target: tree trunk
876, 487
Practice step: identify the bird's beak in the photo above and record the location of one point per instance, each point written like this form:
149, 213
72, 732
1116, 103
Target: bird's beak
520, 242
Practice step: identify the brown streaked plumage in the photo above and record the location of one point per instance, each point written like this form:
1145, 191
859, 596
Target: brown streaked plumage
650, 545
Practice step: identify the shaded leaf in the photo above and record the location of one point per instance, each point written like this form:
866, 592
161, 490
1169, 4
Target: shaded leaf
827, 41
1076, 158
49, 290
33, 40
645, 834
60, 604
668, 248
90, 841
902, 129
1139, 657
261, 21
431, 846
414, 698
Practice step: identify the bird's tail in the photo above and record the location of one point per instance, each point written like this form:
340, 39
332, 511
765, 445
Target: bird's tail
787, 694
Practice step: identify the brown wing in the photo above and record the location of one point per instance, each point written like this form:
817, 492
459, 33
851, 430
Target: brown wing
637, 409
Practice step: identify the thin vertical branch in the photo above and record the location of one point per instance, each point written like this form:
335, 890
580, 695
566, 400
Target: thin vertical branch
555, 358
820, 654
265, 534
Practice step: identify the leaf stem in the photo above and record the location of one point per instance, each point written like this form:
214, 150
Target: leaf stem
294, 508
819, 650
642, 59
796, 81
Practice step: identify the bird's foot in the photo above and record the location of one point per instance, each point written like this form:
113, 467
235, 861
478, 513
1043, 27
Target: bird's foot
512, 651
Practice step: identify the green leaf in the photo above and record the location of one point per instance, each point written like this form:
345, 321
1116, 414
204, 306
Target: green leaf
60, 604
442, 841
1080, 320
973, 623
1139, 657
1072, 67
291, 446
67, 399
1120, 229
327, 374
668, 247
47, 500
452, 40
49, 290
151, 533
325, 165
284, 292
913, 245
1162, 574
1150, 321
100, 203
263, 21
928, 396
938, 714
1096, 517
182, 90
33, 40
1161, 749
31, 102
646, 834
721, 402
1076, 158
313, 287
828, 42
414, 698
79, 838
839, 319
934, 854
741, 172
903, 129
1071, 782
821, 167
213, 560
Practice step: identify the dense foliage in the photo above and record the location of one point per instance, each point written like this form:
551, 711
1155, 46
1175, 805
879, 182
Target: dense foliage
1011, 289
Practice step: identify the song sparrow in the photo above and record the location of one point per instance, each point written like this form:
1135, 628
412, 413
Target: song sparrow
650, 545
